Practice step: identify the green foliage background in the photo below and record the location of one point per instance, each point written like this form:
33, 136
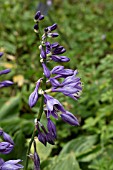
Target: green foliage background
86, 31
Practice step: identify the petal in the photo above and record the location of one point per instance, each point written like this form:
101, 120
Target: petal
56, 69
46, 70
5, 71
7, 138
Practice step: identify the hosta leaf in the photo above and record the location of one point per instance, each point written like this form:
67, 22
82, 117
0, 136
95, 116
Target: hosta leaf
80, 146
10, 108
66, 162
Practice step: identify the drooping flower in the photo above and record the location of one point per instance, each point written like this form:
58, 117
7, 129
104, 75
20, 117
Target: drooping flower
7, 138
45, 136
5, 83
69, 118
10, 165
36, 158
71, 86
6, 147
49, 138
61, 72
5, 71
51, 128
42, 137
53, 105
33, 98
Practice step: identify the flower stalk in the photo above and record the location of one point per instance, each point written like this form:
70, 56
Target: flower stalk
60, 80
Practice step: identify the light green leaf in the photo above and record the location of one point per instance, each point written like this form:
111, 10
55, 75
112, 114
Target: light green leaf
80, 146
66, 162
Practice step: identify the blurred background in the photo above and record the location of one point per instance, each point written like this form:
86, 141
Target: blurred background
86, 31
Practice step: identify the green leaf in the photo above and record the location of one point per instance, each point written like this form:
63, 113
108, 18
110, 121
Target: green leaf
20, 145
43, 151
11, 125
80, 146
66, 162
10, 108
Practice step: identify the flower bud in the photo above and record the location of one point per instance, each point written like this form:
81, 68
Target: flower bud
46, 70
5, 147
33, 98
5, 71
7, 138
51, 128
5, 83
36, 28
69, 118
37, 16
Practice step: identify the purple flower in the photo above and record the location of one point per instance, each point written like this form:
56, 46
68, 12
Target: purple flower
36, 159
10, 165
1, 132
59, 70
41, 17
59, 50
51, 128
51, 28
1, 162
1, 54
42, 137
45, 136
7, 138
53, 50
6, 147
5, 71
38, 16
53, 113
43, 53
53, 35
60, 58
5, 83
53, 105
50, 138
71, 86
36, 28
69, 118
55, 83
54, 45
46, 70
33, 98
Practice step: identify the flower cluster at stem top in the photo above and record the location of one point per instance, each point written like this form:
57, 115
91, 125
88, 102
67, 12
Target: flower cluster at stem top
61, 79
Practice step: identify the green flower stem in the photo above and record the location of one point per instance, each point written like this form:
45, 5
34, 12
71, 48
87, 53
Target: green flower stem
29, 147
38, 118
42, 100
